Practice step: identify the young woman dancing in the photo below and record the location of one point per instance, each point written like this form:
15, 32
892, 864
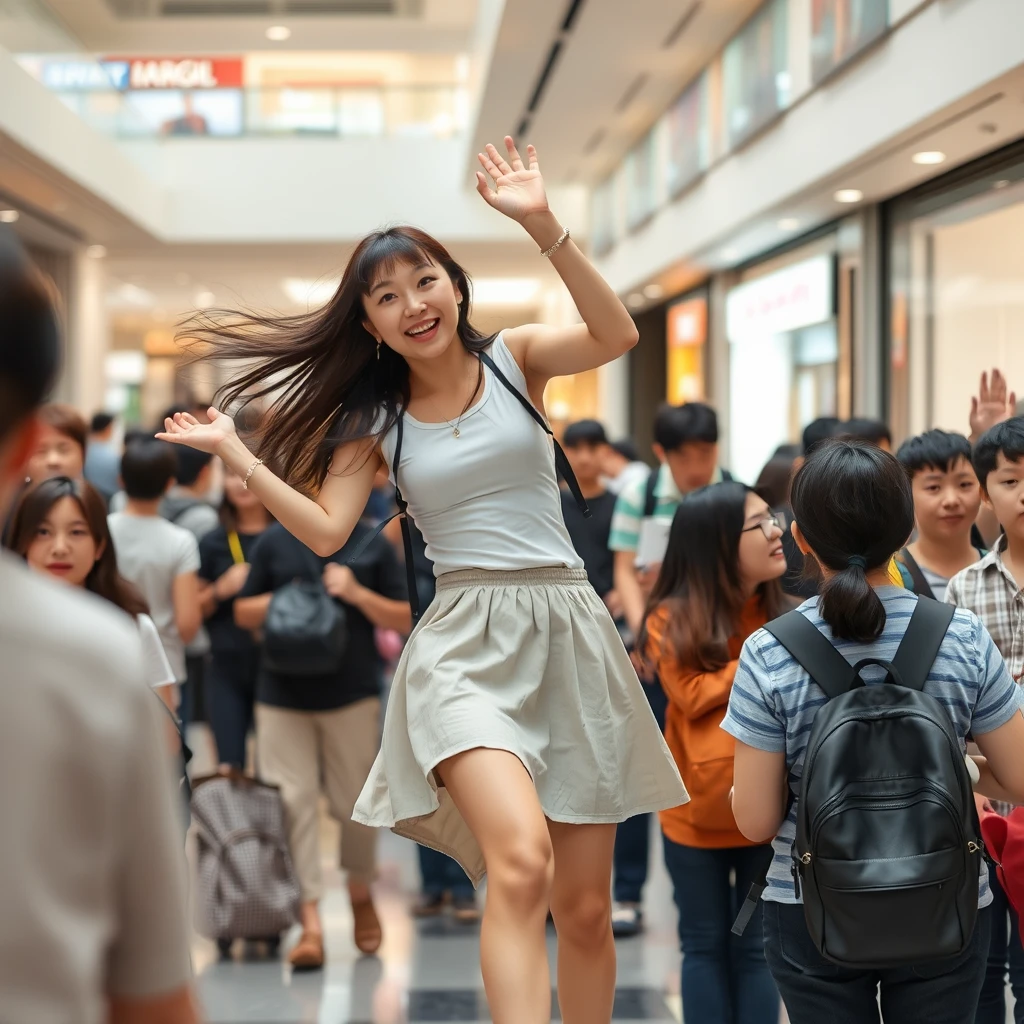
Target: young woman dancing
517, 734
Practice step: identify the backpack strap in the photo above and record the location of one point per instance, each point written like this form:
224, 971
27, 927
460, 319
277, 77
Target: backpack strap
921, 587
651, 493
814, 651
561, 461
920, 644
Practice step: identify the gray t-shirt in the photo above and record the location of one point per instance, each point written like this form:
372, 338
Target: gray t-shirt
151, 553
94, 895
937, 583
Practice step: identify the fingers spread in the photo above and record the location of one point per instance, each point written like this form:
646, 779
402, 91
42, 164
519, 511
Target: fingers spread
498, 159
531, 153
483, 188
489, 165
513, 154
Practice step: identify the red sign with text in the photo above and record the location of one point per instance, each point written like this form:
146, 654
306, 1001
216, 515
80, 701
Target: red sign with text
181, 72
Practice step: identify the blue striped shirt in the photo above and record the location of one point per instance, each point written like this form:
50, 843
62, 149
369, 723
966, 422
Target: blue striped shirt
774, 700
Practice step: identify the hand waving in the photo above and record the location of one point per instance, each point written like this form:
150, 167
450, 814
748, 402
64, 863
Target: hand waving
184, 428
991, 405
518, 190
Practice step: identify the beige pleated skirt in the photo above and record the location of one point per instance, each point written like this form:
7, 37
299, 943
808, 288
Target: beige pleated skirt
529, 662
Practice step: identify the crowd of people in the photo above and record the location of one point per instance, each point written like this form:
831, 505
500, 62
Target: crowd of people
576, 659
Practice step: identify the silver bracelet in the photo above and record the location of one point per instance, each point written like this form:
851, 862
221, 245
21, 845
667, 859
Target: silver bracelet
547, 253
248, 476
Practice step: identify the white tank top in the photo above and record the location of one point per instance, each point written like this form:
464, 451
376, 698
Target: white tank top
489, 498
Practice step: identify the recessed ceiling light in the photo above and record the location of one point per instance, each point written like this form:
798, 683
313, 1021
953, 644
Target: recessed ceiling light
929, 157
204, 300
654, 291
1001, 183
636, 300
8, 216
848, 195
96, 252
279, 33
788, 224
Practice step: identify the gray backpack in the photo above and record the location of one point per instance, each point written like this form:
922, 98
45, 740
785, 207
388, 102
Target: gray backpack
246, 886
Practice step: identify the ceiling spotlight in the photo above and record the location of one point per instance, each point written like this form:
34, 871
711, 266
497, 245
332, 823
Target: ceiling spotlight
279, 33
204, 300
929, 157
96, 252
8, 216
636, 300
848, 195
788, 224
654, 291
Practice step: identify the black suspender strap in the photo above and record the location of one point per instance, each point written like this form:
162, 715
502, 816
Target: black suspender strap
814, 651
651, 493
561, 462
920, 644
921, 586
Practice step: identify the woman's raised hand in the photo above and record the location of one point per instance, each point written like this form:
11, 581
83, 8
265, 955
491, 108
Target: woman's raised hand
518, 190
184, 428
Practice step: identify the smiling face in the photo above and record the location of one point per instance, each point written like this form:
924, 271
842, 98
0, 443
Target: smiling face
761, 557
413, 308
1004, 494
946, 502
63, 546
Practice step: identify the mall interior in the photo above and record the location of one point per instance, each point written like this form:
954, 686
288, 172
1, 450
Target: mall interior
811, 208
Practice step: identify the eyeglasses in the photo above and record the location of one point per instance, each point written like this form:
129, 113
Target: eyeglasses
768, 525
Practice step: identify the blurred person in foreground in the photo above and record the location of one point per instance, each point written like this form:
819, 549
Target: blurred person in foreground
92, 912
60, 447
102, 456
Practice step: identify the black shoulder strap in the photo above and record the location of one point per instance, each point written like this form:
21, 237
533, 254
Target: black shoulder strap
651, 493
812, 649
561, 462
920, 644
921, 586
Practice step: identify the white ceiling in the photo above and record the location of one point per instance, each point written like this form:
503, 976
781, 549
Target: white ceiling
614, 74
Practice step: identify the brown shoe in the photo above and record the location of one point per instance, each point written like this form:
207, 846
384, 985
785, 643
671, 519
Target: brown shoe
367, 931
308, 954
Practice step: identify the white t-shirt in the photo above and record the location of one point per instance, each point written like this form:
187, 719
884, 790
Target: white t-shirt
94, 894
157, 669
152, 553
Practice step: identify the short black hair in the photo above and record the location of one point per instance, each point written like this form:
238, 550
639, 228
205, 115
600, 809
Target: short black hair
584, 432
147, 467
934, 449
1006, 439
30, 346
191, 462
676, 425
626, 449
99, 422
861, 429
133, 434
819, 430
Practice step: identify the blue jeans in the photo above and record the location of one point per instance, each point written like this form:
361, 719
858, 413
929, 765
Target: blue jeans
725, 977
441, 874
816, 990
1005, 950
633, 836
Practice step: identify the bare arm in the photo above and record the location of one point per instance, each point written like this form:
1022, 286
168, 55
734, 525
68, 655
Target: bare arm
1002, 767
760, 792
383, 611
251, 612
188, 612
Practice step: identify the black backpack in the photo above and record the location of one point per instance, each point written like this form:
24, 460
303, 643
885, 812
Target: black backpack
888, 847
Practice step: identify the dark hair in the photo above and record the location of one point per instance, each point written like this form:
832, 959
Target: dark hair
584, 432
67, 421
104, 578
676, 425
819, 430
934, 449
776, 479
134, 434
853, 504
626, 449
99, 422
191, 462
872, 431
30, 348
328, 381
1006, 439
147, 467
700, 584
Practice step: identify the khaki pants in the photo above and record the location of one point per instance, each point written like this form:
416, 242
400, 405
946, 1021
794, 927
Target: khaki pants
298, 749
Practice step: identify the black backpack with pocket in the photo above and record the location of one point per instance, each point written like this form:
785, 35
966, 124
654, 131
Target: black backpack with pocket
888, 846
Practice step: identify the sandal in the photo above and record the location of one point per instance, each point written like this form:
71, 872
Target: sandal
367, 930
308, 954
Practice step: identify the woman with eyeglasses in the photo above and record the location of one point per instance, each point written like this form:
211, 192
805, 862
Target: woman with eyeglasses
718, 584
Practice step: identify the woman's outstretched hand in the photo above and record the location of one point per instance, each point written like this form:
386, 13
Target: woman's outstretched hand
518, 190
184, 428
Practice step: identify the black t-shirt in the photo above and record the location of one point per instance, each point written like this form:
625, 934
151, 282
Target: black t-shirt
590, 537
215, 559
279, 558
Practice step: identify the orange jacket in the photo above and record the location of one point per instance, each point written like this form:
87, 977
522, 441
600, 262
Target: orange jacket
703, 752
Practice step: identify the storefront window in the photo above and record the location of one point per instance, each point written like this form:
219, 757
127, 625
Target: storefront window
641, 186
783, 359
756, 72
842, 28
689, 137
602, 217
686, 332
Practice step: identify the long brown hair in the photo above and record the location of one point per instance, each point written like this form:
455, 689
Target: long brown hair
321, 370
700, 584
104, 578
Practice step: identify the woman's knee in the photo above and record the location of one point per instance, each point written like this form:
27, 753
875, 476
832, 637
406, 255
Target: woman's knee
522, 871
583, 916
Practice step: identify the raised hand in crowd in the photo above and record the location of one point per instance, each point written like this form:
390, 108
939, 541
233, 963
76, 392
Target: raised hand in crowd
993, 404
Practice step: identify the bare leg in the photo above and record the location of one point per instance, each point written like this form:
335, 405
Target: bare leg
581, 905
496, 797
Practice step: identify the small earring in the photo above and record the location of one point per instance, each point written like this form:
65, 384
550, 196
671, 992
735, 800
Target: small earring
378, 350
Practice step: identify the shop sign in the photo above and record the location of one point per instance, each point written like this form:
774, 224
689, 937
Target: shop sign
686, 330
794, 297
180, 72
